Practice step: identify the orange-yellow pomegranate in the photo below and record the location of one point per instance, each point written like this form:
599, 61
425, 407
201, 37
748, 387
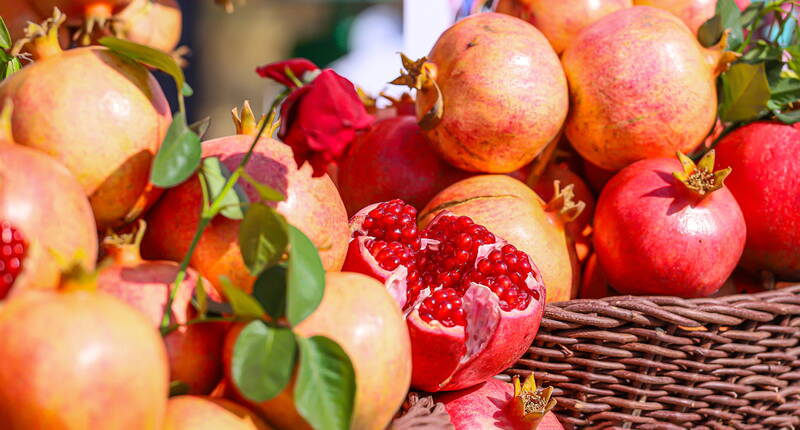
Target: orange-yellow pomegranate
198, 412
502, 93
360, 315
79, 360
511, 210
562, 20
312, 204
641, 86
156, 24
692, 12
100, 115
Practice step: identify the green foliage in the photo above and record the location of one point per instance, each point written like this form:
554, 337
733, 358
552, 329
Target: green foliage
325, 390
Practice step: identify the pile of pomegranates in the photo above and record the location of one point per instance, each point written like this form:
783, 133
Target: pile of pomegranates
338, 256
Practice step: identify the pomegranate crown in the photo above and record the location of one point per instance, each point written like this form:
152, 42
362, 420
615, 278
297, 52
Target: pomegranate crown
563, 202
531, 403
246, 122
701, 178
421, 75
42, 37
124, 247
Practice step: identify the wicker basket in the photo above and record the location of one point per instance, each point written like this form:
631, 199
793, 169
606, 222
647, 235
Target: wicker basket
670, 363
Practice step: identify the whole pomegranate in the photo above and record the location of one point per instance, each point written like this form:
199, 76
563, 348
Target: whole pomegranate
472, 301
561, 21
194, 351
362, 318
100, 115
312, 204
499, 405
198, 412
659, 233
511, 210
79, 359
156, 24
692, 12
393, 161
44, 216
766, 183
78, 11
492, 93
641, 86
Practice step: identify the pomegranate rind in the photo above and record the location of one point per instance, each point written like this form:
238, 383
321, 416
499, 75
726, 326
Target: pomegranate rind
360, 260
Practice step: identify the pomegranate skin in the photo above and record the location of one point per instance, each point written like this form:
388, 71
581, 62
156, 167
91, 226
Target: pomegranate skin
393, 161
67, 364
157, 25
652, 236
102, 117
482, 407
312, 204
766, 183
34, 188
641, 87
511, 210
504, 91
198, 412
561, 21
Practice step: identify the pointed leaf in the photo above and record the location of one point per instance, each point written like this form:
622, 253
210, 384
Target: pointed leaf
186, 90
215, 175
745, 92
263, 237
270, 290
5, 37
263, 360
266, 192
750, 13
324, 393
305, 283
730, 14
792, 117
201, 127
243, 304
13, 66
202, 297
179, 155
783, 92
710, 31
147, 55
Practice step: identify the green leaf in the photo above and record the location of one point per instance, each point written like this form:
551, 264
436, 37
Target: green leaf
186, 90
5, 37
263, 360
179, 155
305, 280
215, 175
710, 31
762, 52
266, 192
178, 388
202, 297
730, 14
324, 393
270, 290
263, 237
745, 92
201, 127
788, 117
147, 55
785, 91
750, 13
13, 66
243, 304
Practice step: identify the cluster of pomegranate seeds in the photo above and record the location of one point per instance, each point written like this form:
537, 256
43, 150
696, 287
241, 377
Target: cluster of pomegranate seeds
444, 305
393, 221
459, 239
504, 271
12, 252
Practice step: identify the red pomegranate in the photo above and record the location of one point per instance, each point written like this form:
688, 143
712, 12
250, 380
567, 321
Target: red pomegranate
78, 360
312, 204
100, 115
198, 412
492, 93
78, 11
641, 86
692, 12
393, 160
33, 189
156, 24
561, 21
766, 183
596, 177
472, 301
664, 229
195, 351
362, 318
511, 210
499, 405
594, 284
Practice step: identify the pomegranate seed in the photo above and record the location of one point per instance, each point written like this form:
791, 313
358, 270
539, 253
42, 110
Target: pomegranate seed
444, 306
12, 248
392, 221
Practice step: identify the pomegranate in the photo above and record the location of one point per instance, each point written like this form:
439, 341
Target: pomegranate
491, 95
153, 23
659, 233
80, 11
472, 301
511, 210
100, 115
692, 12
593, 282
499, 405
67, 363
194, 350
33, 188
397, 162
561, 21
597, 177
641, 86
362, 318
198, 412
312, 204
766, 183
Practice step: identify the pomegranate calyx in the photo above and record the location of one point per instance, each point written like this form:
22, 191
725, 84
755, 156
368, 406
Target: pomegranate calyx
43, 37
719, 57
75, 277
564, 204
530, 403
246, 122
421, 75
124, 248
701, 178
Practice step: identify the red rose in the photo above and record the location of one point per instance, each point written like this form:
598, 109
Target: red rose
277, 71
320, 119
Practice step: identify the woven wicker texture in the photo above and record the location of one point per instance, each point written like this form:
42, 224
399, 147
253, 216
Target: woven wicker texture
669, 363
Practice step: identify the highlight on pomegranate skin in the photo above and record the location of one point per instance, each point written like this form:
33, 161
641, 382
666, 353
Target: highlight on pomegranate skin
472, 301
